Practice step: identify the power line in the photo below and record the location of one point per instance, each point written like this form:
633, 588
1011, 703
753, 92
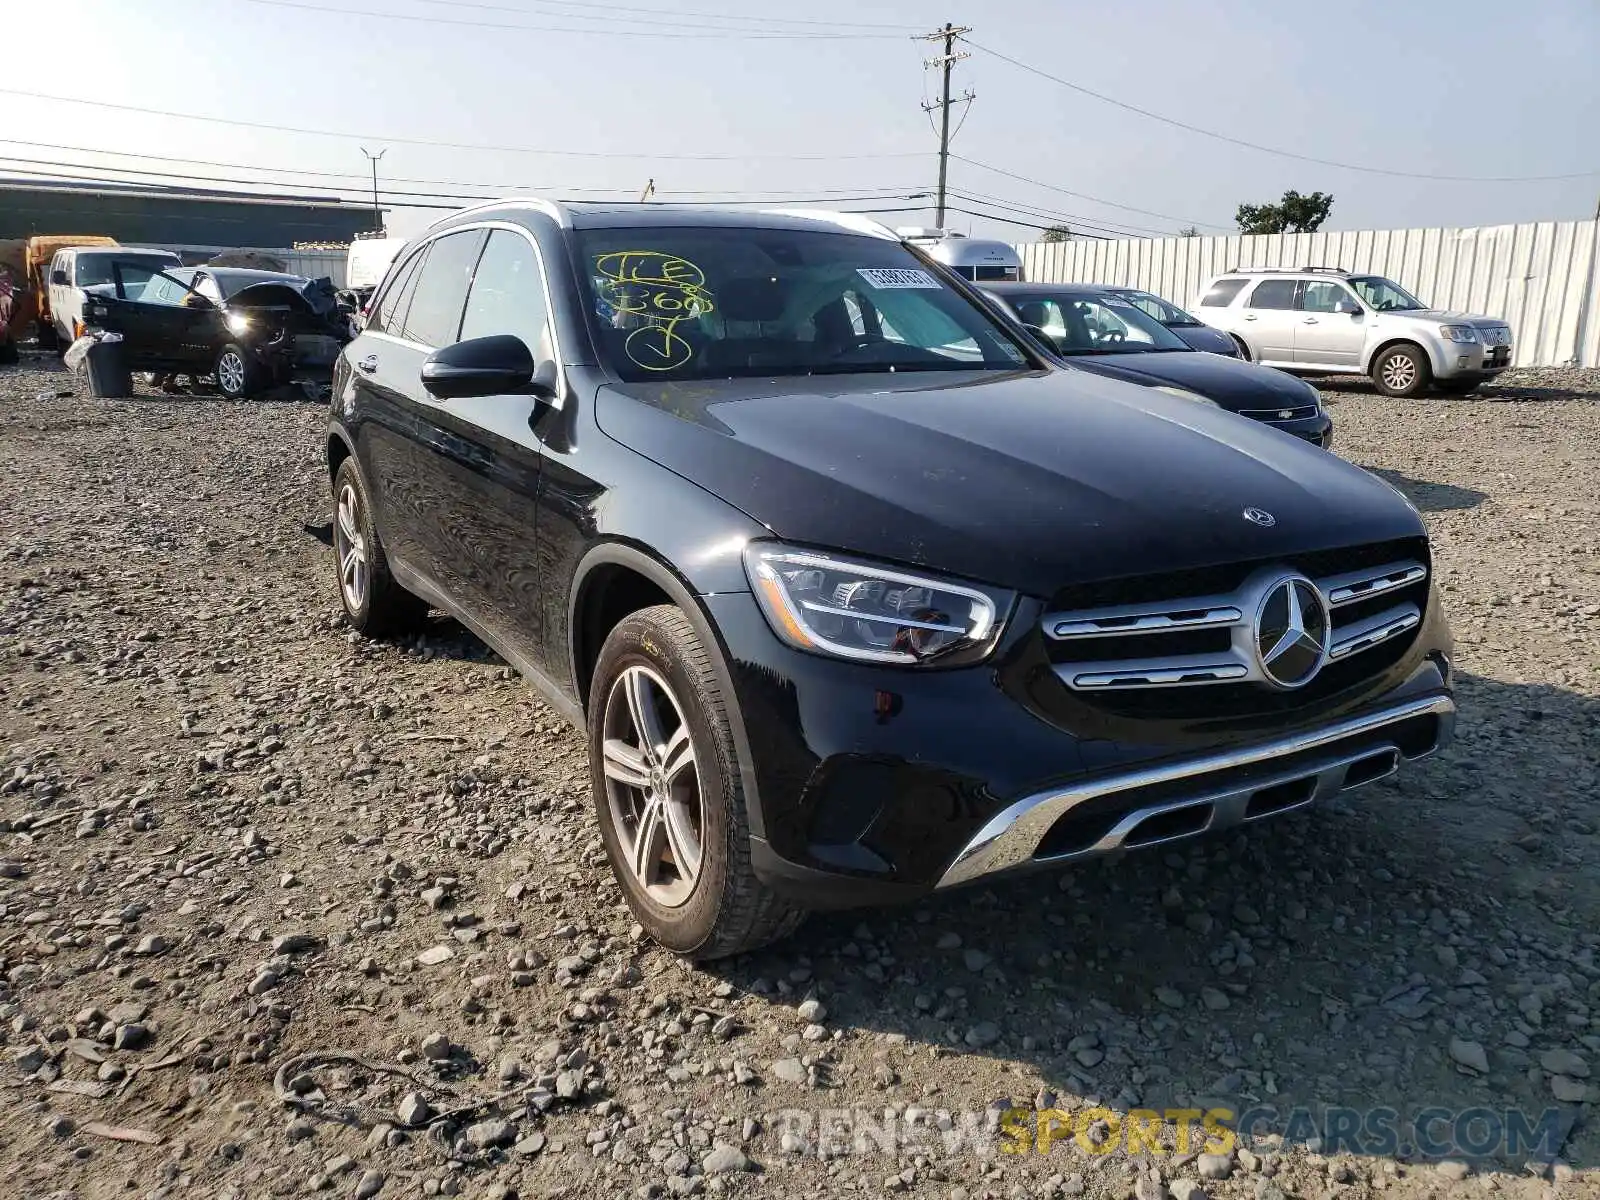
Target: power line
972, 162
1033, 210
659, 12
122, 176
1223, 137
403, 141
497, 188
608, 31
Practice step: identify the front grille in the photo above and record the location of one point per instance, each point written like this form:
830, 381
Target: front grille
1159, 635
1286, 413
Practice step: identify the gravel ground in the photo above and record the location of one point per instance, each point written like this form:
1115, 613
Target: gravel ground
283, 912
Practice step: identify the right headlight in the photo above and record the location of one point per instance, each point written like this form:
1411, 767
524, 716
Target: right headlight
1458, 333
848, 608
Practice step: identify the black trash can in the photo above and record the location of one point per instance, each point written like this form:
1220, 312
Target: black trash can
108, 370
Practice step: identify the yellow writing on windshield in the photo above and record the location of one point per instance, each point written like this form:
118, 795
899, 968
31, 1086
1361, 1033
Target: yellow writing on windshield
659, 291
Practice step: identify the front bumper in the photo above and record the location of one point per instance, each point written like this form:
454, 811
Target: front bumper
1317, 430
875, 785
1470, 360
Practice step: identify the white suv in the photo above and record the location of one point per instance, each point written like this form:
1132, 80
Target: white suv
1324, 321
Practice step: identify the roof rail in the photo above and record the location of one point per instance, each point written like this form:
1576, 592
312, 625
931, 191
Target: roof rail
549, 207
1286, 271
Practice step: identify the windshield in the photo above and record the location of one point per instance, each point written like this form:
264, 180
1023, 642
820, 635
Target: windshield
1162, 310
1384, 294
1082, 324
719, 303
95, 269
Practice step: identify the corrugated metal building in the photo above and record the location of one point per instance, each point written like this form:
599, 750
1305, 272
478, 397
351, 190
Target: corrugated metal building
1543, 278
158, 216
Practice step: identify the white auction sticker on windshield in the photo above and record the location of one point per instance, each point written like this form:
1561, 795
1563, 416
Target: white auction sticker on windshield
898, 277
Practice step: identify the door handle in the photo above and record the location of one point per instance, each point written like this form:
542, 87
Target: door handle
1249, 316
1309, 321
367, 365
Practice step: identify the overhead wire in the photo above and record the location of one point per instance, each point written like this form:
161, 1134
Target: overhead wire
1264, 149
444, 145
692, 30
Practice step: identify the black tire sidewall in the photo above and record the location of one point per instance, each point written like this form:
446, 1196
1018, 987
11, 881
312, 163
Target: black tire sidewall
644, 639
252, 373
350, 475
1418, 359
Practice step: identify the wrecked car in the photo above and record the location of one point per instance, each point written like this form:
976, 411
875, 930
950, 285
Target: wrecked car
246, 330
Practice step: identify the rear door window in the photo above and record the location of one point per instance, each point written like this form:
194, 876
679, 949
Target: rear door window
392, 304
1274, 294
434, 317
1222, 293
1322, 296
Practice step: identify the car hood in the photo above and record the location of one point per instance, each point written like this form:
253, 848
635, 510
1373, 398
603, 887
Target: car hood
315, 295
1203, 337
1032, 480
1233, 384
1441, 316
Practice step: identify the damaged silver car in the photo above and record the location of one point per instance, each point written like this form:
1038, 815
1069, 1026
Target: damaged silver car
245, 330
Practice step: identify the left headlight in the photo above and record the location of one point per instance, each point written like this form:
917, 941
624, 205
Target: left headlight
1186, 394
238, 324
1458, 333
847, 608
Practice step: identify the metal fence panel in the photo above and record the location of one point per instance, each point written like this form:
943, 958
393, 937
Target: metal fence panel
1540, 277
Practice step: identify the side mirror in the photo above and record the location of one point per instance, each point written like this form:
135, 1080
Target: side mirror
486, 366
59, 278
1348, 307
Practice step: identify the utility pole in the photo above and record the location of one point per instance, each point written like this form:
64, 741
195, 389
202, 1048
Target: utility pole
945, 61
377, 213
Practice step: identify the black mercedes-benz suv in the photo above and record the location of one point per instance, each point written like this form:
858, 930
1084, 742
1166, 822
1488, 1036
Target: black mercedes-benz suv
855, 594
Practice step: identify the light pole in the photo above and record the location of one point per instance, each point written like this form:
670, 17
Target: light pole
377, 213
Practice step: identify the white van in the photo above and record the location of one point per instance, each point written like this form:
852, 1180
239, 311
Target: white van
77, 267
369, 259
978, 259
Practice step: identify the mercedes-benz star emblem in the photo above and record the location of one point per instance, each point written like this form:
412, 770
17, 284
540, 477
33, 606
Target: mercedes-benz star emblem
1261, 517
1291, 632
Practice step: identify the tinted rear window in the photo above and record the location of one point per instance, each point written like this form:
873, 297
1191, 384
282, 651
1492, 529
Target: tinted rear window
1222, 293
1273, 293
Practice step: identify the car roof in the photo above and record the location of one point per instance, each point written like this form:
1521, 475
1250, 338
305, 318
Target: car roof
113, 251
595, 215
1003, 288
248, 275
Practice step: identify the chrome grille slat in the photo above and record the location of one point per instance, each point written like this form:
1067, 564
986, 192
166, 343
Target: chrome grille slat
1363, 585
1227, 617
1373, 631
1199, 615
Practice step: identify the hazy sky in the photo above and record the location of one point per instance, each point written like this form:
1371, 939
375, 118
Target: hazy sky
1464, 87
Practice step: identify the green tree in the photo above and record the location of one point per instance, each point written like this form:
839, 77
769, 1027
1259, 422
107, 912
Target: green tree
1057, 233
1293, 214
1189, 231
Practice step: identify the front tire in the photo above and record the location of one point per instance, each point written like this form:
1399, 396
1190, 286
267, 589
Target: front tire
668, 795
1402, 371
374, 603
237, 372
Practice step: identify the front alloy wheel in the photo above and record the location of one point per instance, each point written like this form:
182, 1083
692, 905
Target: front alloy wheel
652, 785
351, 548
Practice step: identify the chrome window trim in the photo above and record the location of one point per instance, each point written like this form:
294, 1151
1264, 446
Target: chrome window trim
563, 387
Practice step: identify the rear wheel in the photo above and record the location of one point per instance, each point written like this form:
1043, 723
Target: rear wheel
1402, 370
238, 373
374, 603
667, 793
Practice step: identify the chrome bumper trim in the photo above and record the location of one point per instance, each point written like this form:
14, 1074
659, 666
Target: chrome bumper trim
1011, 838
